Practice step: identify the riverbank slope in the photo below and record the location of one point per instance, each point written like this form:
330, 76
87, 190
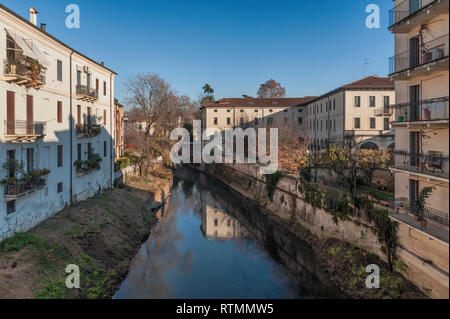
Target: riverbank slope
100, 235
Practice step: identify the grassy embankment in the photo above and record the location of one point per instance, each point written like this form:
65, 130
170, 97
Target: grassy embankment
100, 235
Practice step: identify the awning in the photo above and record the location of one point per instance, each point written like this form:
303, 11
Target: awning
29, 48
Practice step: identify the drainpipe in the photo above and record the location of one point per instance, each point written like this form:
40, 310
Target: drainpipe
71, 131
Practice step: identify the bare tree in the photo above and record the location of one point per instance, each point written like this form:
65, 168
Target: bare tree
152, 101
271, 89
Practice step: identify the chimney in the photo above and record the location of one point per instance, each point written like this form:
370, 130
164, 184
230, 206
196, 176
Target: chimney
44, 27
102, 63
33, 15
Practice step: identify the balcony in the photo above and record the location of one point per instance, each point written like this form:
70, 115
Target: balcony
431, 221
24, 131
33, 182
384, 111
89, 166
422, 112
431, 56
88, 130
24, 72
411, 13
85, 93
432, 164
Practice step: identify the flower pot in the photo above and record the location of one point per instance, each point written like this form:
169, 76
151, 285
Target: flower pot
423, 223
417, 218
401, 118
426, 115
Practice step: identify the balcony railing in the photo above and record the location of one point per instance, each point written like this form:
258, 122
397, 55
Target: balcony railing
405, 9
88, 130
24, 130
383, 111
18, 188
433, 163
430, 51
23, 72
422, 111
432, 221
86, 93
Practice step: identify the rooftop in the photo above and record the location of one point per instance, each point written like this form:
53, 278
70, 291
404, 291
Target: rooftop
260, 102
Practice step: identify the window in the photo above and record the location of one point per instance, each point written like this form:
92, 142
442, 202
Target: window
321, 125
300, 120
79, 153
373, 124
334, 105
386, 101
89, 150
228, 120
372, 101
269, 121
216, 121
104, 117
334, 125
60, 188
79, 114
241, 120
256, 121
357, 122
59, 111
242, 111
104, 88
30, 160
300, 110
97, 85
88, 80
60, 155
78, 77
89, 117
357, 101
256, 111
285, 120
386, 124
59, 70
105, 147
228, 111
270, 111
215, 111
10, 207
285, 111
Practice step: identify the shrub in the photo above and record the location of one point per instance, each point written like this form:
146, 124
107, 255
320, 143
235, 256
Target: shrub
124, 162
19, 241
272, 182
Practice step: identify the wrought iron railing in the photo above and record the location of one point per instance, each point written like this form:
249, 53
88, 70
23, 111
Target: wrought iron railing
405, 9
20, 187
431, 163
88, 130
23, 68
13, 128
430, 51
426, 110
86, 91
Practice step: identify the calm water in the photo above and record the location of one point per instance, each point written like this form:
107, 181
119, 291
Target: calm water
212, 243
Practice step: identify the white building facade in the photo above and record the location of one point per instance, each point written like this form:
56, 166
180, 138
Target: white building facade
56, 126
356, 114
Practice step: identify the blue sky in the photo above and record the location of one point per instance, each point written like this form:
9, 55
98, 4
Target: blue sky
310, 47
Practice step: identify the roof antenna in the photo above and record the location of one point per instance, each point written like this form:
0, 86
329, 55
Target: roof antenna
366, 64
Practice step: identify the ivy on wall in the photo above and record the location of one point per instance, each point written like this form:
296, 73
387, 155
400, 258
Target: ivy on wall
272, 181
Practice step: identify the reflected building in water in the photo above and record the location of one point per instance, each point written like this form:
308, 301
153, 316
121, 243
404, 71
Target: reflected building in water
216, 224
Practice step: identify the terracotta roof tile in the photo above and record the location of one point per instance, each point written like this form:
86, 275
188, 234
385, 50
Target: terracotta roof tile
371, 82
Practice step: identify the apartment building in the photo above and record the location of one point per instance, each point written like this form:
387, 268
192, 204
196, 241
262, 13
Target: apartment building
355, 114
119, 132
420, 69
282, 113
56, 129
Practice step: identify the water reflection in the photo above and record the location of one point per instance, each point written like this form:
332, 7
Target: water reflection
211, 243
